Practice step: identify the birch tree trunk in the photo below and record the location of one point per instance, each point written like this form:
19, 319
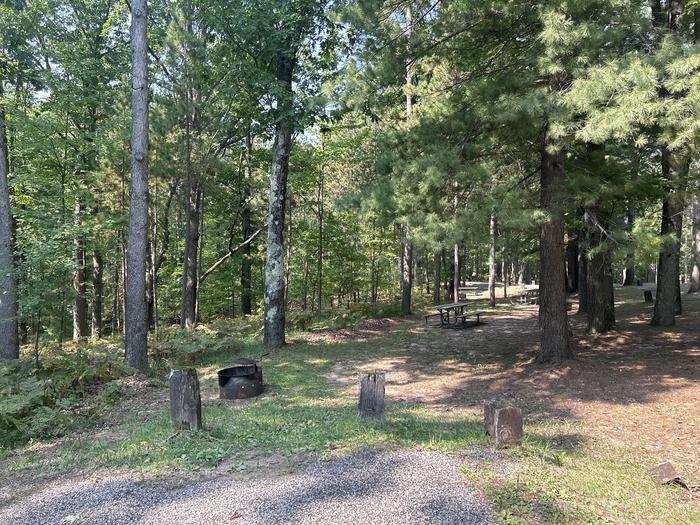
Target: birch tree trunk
9, 339
136, 319
274, 322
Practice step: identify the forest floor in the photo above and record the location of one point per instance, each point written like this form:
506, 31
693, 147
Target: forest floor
594, 427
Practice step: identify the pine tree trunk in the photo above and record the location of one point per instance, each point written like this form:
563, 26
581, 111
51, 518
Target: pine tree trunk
407, 246
437, 277
675, 166
97, 293
188, 298
80, 307
695, 242
554, 323
492, 259
600, 293
274, 322
136, 318
9, 339
629, 277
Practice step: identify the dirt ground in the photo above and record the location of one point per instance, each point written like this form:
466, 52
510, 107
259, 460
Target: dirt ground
637, 386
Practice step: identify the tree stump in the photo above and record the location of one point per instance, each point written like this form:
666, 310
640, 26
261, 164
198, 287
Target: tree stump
185, 401
648, 298
372, 396
505, 424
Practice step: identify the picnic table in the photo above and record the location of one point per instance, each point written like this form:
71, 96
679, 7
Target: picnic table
444, 311
530, 295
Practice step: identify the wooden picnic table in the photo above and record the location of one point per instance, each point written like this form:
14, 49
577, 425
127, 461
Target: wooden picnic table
445, 309
529, 294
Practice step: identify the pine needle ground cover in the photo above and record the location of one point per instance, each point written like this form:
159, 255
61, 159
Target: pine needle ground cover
593, 428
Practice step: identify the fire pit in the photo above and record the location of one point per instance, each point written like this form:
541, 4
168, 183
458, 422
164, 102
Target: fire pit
240, 381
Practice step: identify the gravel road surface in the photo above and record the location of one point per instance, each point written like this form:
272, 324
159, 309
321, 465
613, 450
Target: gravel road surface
369, 487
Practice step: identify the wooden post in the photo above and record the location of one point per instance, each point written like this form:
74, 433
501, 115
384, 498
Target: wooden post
372, 396
504, 424
185, 401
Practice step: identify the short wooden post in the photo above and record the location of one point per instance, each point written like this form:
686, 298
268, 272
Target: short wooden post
185, 401
648, 298
372, 396
504, 424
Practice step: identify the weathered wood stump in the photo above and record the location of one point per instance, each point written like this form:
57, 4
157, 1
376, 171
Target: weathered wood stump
372, 396
648, 298
185, 401
505, 424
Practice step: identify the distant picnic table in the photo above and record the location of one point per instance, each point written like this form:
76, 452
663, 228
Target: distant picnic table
447, 311
530, 295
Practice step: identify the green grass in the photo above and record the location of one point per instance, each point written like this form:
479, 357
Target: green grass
557, 476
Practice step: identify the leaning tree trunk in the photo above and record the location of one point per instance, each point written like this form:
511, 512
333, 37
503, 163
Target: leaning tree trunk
274, 322
492, 259
695, 243
9, 340
600, 296
675, 166
136, 318
554, 323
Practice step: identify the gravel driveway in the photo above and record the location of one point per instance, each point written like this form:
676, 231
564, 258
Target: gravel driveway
365, 488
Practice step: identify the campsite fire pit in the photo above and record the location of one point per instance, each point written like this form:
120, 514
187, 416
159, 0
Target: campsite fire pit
240, 381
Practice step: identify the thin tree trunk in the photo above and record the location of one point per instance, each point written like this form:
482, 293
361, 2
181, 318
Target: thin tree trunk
80, 307
246, 230
554, 323
583, 244
675, 166
407, 245
572, 262
9, 339
492, 259
629, 277
188, 299
274, 322
437, 277
136, 321
455, 273
97, 293
695, 240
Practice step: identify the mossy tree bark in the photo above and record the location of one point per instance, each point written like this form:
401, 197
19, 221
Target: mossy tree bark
274, 322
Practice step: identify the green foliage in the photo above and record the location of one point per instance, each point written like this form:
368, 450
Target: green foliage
50, 400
